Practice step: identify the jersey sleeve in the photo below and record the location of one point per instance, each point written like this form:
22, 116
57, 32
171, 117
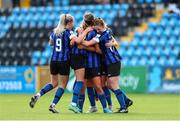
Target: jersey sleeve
109, 36
72, 34
51, 37
91, 35
97, 38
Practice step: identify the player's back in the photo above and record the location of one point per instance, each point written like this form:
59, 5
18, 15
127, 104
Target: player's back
61, 46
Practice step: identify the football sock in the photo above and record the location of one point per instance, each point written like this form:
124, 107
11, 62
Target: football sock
108, 95
76, 92
46, 89
120, 98
58, 95
91, 96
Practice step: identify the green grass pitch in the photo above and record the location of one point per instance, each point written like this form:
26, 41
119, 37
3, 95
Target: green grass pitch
146, 107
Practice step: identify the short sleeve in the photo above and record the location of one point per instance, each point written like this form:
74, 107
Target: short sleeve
72, 34
109, 35
51, 37
91, 35
97, 38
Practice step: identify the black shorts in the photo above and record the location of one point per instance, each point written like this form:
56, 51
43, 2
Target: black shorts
62, 68
113, 69
103, 69
92, 72
77, 61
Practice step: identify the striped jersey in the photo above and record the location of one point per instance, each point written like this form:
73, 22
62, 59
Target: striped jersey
61, 45
111, 54
76, 50
92, 58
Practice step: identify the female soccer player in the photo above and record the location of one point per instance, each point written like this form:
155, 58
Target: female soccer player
60, 60
113, 61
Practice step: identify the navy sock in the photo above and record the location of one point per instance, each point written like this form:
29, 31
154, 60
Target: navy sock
76, 91
102, 99
58, 95
108, 95
95, 93
81, 101
46, 89
120, 98
91, 96
125, 97
74, 84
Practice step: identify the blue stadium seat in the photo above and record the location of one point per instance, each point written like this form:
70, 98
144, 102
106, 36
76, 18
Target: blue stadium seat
24, 25
33, 10
125, 61
156, 51
171, 61
153, 41
32, 24
152, 61
135, 43
143, 61
16, 11
141, 1
130, 51
149, 32
107, 7
144, 41
162, 61
149, 1
177, 62
124, 6
43, 61
134, 61
116, 7
74, 8
40, 24
158, 1
36, 54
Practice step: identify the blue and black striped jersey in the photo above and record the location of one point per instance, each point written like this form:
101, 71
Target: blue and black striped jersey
111, 54
61, 45
92, 58
76, 50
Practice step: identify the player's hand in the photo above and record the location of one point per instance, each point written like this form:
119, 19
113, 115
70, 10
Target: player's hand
80, 46
72, 42
79, 30
109, 44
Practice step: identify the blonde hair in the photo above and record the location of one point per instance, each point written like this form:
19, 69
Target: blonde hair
99, 22
64, 19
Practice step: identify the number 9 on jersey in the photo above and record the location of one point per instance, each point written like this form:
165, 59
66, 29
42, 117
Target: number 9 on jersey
58, 45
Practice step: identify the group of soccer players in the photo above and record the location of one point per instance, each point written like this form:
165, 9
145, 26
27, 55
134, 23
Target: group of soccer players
91, 52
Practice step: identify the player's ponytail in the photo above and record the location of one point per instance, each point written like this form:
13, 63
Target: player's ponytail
64, 19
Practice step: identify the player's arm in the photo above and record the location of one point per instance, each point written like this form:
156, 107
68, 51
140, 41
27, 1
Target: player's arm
90, 48
112, 42
97, 48
80, 38
51, 39
50, 42
92, 42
